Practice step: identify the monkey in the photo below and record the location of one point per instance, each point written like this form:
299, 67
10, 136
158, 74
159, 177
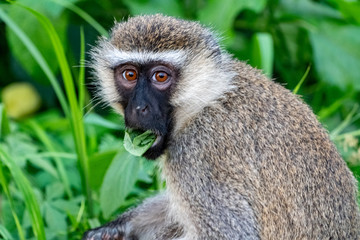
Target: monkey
242, 156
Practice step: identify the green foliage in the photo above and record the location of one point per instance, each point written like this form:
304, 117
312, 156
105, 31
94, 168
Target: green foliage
336, 54
221, 14
263, 52
124, 169
23, 184
171, 8
65, 169
29, 24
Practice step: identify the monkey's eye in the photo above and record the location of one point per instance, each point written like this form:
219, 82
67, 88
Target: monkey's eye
160, 76
130, 75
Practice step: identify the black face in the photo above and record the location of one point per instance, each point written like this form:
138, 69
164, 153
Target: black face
146, 90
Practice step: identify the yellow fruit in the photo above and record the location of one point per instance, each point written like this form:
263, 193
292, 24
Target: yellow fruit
20, 100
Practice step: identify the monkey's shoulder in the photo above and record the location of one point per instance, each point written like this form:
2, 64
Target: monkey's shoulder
256, 100
256, 111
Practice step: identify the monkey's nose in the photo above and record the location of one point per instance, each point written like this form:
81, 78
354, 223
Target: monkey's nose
142, 110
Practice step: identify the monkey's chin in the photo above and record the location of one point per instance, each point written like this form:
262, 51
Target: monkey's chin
157, 148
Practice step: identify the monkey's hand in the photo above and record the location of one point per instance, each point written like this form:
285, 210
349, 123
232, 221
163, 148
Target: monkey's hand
104, 233
114, 230
149, 221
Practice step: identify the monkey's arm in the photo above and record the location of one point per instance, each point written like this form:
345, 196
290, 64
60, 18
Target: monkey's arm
148, 221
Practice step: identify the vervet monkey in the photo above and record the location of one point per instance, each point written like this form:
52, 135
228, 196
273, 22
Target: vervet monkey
243, 158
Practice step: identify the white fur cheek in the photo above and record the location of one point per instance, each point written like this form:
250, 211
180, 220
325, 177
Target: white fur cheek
108, 87
201, 84
104, 75
118, 108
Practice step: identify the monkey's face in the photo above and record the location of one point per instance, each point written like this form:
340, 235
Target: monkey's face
159, 72
145, 91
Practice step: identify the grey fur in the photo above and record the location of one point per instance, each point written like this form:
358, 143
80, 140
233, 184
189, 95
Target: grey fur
250, 162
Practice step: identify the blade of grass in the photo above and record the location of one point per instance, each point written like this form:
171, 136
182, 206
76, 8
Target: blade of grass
83, 15
38, 57
355, 133
296, 89
4, 130
347, 121
43, 137
75, 115
25, 188
82, 72
80, 214
5, 233
54, 154
325, 112
5, 185
4, 123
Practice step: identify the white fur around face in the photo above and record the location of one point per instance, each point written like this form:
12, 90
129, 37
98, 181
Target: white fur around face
106, 57
117, 57
203, 80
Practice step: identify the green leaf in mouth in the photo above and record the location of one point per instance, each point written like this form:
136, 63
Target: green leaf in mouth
137, 142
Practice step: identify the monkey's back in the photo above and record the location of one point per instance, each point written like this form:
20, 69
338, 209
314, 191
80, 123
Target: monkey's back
265, 147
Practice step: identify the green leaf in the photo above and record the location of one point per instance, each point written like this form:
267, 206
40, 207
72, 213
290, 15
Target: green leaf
138, 142
69, 206
168, 7
54, 191
146, 171
94, 222
309, 9
97, 120
110, 142
118, 182
26, 189
337, 54
221, 14
19, 145
43, 163
98, 165
55, 219
263, 53
349, 9
33, 30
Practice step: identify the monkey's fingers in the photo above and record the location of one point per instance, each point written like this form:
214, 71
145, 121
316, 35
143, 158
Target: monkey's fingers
104, 233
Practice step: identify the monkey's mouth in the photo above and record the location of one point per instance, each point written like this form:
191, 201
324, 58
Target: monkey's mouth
158, 140
155, 142
157, 148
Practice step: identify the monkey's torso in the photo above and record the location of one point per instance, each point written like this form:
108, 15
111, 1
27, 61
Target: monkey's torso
284, 176
244, 158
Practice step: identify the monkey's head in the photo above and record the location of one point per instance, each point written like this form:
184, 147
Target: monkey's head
159, 72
